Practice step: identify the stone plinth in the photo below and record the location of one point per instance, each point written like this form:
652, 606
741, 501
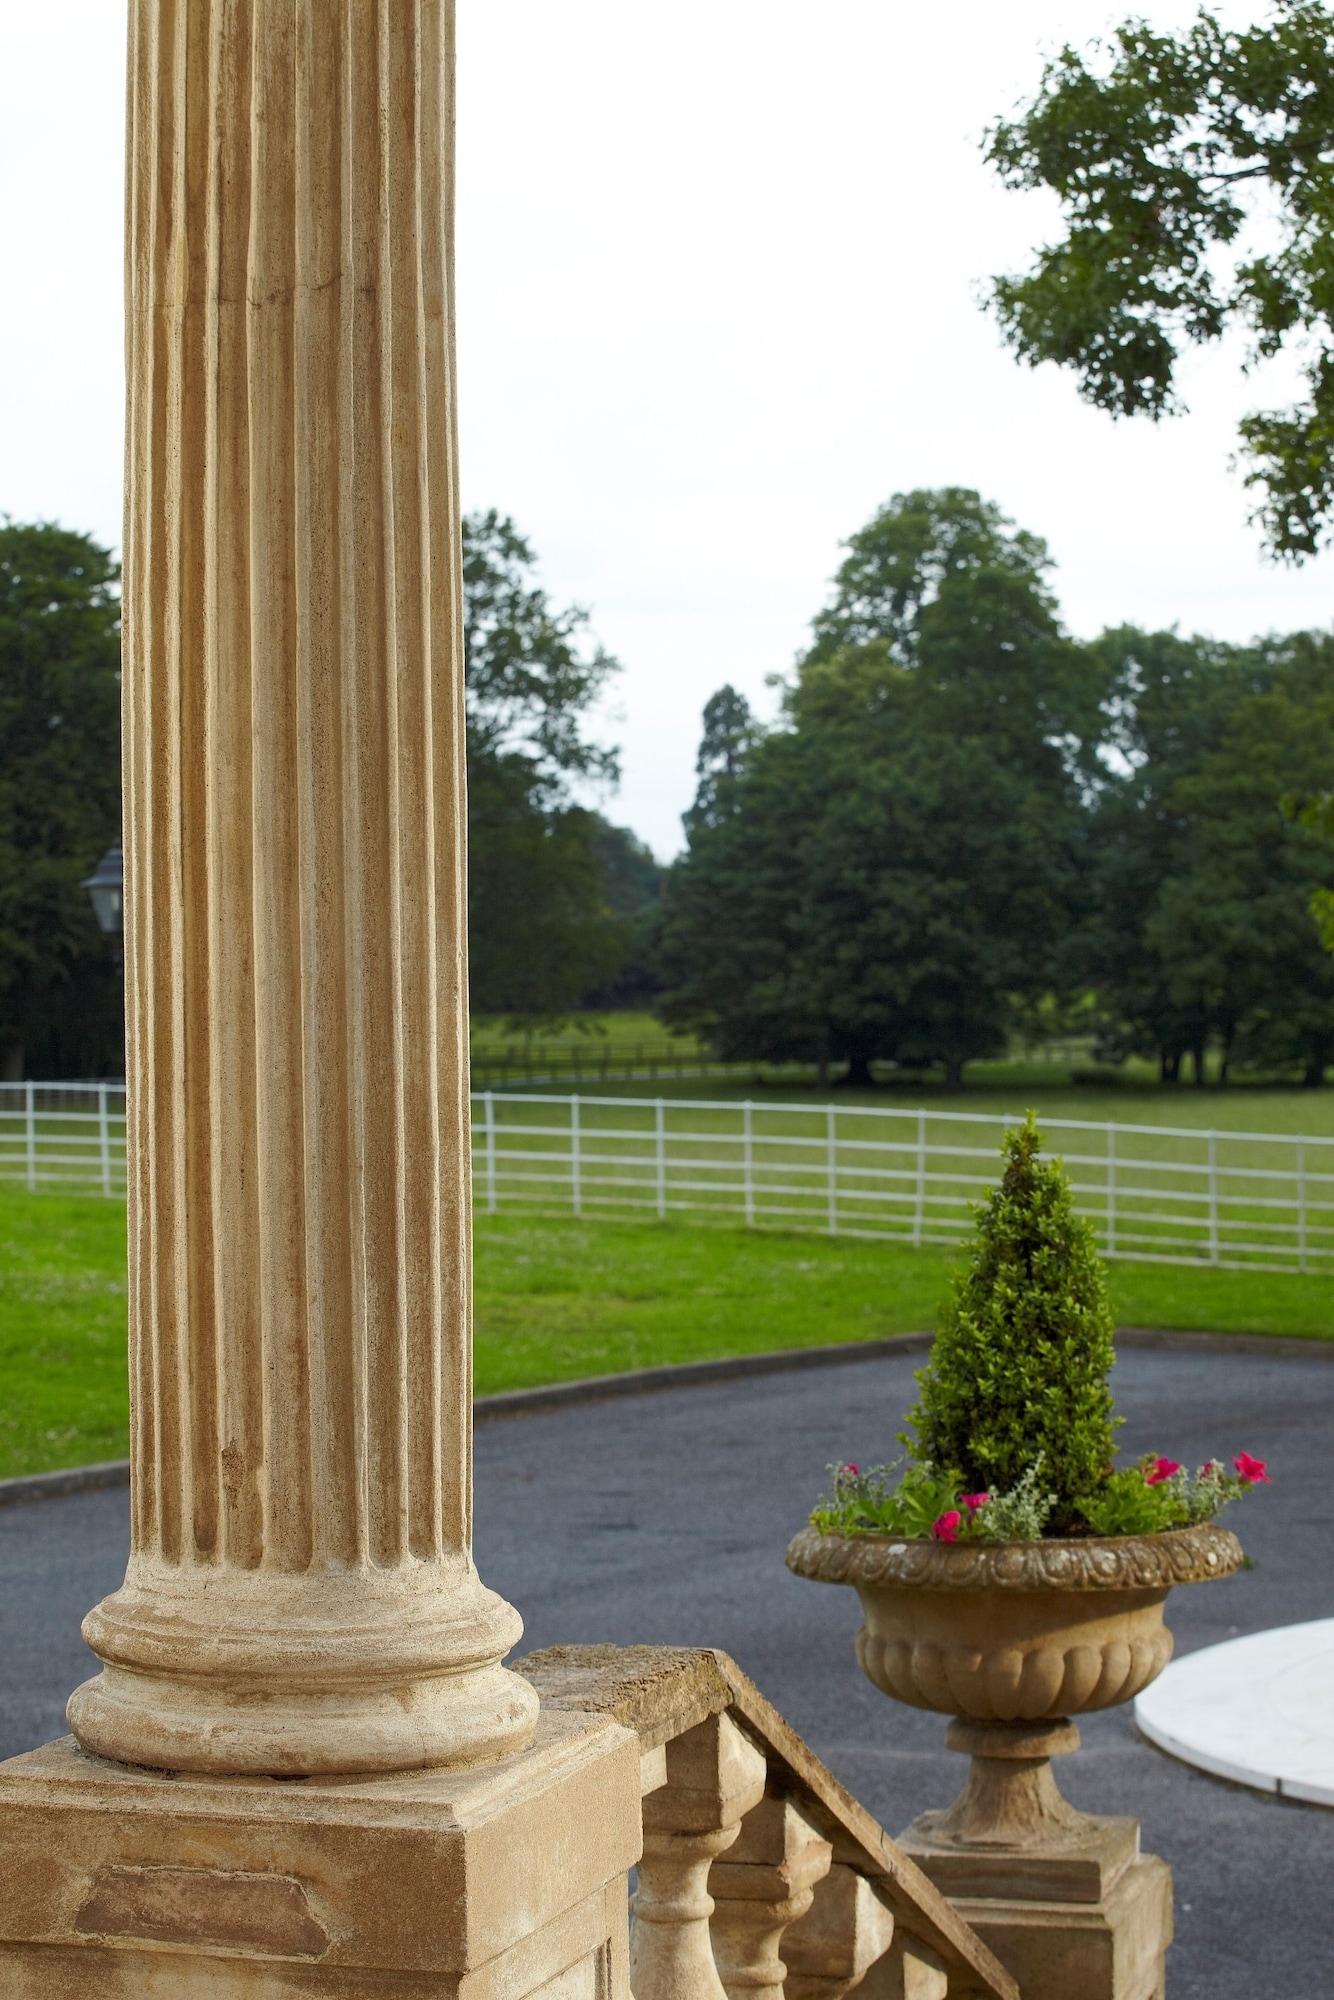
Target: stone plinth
495, 1885
1064, 1899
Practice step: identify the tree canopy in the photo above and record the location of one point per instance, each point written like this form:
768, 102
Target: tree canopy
544, 924
59, 797
963, 819
1195, 173
882, 874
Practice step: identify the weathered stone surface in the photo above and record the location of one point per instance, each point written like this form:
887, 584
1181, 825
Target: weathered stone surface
763, 1883
1111, 1950
493, 1881
300, 1595
644, 1685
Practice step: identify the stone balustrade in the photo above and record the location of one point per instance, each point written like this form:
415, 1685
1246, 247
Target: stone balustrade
761, 1878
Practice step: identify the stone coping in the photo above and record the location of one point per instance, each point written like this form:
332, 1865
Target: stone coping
115, 1472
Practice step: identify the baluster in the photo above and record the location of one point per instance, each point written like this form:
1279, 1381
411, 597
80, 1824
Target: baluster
715, 1775
845, 1931
909, 1971
767, 1881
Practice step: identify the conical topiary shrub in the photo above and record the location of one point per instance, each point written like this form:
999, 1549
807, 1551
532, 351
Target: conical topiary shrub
1019, 1365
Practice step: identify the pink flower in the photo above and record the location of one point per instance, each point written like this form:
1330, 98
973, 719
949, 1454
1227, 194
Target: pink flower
972, 1501
946, 1529
1210, 1469
1163, 1468
848, 1472
1252, 1471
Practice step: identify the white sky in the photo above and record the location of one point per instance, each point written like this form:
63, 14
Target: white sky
717, 264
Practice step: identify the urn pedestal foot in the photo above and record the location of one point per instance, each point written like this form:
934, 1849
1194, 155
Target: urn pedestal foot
1064, 1899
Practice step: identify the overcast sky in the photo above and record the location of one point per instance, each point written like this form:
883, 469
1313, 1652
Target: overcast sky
717, 271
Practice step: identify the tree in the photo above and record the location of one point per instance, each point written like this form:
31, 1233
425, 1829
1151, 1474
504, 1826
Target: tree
541, 931
631, 878
59, 798
1162, 149
730, 734
879, 876
1202, 929
1019, 1365
533, 672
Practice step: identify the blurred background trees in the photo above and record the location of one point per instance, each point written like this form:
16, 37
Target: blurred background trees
962, 827
964, 820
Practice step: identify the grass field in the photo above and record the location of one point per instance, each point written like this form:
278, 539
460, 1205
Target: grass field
556, 1300
1010, 1088
619, 1033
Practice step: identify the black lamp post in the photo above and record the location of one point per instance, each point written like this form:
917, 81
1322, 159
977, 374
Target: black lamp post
106, 886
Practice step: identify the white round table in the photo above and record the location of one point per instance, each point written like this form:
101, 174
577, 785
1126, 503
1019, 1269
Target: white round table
1258, 1710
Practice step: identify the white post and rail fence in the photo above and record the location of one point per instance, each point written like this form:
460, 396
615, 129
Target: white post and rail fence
1157, 1193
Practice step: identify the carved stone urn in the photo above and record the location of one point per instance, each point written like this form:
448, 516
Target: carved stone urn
1012, 1639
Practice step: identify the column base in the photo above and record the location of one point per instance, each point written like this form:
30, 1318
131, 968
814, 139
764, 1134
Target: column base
500, 1884
257, 1674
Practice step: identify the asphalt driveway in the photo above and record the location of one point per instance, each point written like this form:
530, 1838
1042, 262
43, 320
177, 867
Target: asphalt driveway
663, 1517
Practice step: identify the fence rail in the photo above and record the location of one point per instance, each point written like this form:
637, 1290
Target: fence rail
1157, 1193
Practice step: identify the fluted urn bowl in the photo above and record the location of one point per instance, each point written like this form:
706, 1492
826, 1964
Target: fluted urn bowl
1012, 1639
1015, 1631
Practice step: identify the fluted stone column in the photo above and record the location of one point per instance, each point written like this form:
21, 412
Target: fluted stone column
300, 1596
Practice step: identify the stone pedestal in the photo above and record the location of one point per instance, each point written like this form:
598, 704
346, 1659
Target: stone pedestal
1064, 1899
495, 1885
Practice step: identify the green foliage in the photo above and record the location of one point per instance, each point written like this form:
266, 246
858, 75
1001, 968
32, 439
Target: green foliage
59, 798
876, 1503
1022, 1513
1317, 816
1163, 150
533, 672
544, 927
1201, 928
886, 873
1019, 1366
1139, 1500
925, 1501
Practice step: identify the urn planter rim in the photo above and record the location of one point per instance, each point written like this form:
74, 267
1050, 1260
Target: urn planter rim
1120, 1562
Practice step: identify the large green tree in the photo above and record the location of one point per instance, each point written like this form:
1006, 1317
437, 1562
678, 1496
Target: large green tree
881, 875
1202, 932
543, 927
59, 798
1195, 174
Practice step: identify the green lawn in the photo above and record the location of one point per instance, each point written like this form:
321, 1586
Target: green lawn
556, 1300
619, 1033
1010, 1088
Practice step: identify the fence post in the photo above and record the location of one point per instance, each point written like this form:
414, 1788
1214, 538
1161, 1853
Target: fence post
1213, 1197
1301, 1204
1111, 1190
660, 1142
831, 1126
748, 1160
489, 1103
919, 1205
576, 1184
30, 1115
104, 1136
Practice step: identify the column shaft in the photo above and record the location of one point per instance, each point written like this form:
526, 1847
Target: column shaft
300, 1593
